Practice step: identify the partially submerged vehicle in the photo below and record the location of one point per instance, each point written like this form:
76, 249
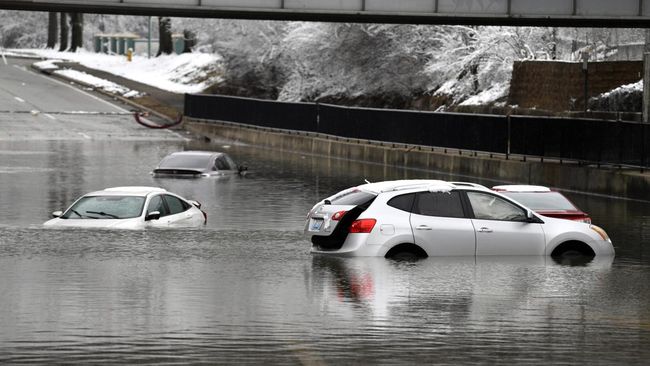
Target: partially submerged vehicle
130, 208
544, 201
194, 164
420, 218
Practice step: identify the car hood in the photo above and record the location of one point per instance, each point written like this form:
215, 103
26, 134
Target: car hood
99, 223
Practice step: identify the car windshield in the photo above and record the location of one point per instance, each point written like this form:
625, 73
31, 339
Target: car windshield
542, 200
185, 161
106, 207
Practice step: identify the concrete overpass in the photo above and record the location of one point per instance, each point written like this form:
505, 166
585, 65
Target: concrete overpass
572, 13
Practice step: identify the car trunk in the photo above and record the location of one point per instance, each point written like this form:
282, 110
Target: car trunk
567, 215
329, 222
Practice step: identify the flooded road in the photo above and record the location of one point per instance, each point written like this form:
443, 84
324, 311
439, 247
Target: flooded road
245, 289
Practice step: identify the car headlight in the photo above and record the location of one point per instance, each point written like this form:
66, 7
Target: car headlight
600, 232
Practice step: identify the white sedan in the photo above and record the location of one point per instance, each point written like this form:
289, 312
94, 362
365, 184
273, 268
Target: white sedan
130, 208
435, 218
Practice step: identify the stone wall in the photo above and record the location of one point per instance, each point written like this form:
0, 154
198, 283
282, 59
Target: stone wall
559, 86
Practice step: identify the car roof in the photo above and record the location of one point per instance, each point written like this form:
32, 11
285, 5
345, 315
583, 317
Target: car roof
197, 153
128, 191
521, 188
417, 184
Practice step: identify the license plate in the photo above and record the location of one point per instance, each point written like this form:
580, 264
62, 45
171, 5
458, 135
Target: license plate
315, 224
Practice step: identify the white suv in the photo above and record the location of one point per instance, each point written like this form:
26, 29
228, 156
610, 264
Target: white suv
436, 218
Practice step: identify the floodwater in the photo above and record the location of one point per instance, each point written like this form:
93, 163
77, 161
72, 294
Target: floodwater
245, 289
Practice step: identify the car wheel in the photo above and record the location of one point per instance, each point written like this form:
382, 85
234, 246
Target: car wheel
573, 254
406, 252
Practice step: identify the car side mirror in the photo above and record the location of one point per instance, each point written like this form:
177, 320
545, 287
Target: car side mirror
532, 218
56, 214
154, 215
241, 169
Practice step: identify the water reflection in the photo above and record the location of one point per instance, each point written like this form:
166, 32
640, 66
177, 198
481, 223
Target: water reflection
378, 285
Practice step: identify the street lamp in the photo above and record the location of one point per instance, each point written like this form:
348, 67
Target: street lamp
585, 71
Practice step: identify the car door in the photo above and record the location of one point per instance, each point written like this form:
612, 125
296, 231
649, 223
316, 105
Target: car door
156, 203
440, 225
180, 214
502, 227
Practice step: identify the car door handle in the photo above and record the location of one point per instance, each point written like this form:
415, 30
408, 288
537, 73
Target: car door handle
485, 230
423, 227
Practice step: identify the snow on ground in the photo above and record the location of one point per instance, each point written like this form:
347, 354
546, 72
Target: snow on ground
185, 73
89, 80
488, 96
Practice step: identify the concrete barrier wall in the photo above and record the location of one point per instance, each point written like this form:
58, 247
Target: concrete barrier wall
612, 182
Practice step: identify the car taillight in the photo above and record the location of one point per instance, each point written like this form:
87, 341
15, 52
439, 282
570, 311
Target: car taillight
362, 226
339, 215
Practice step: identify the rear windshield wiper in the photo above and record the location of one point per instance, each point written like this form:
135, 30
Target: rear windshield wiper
103, 214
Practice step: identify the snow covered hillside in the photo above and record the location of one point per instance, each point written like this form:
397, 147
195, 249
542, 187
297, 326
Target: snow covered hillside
377, 65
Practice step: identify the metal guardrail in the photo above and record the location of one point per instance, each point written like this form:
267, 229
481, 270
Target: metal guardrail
575, 139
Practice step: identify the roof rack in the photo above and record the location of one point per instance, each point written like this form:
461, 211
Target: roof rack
467, 184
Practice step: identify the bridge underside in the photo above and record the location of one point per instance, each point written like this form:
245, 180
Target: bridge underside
568, 13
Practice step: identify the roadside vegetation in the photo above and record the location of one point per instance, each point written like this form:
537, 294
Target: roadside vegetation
372, 65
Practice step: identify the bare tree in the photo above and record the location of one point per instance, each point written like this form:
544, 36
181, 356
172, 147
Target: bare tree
77, 21
64, 32
52, 29
165, 44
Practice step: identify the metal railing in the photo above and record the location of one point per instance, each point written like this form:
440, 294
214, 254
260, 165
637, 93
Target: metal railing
576, 139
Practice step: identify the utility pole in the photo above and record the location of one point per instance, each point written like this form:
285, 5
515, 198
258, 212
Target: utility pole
646, 87
585, 70
149, 39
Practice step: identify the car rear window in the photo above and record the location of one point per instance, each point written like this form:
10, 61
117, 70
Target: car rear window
353, 198
403, 202
185, 161
542, 200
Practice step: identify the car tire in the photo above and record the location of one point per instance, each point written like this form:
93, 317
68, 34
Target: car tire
406, 252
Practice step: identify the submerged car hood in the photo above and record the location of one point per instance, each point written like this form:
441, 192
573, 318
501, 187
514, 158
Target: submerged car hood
99, 223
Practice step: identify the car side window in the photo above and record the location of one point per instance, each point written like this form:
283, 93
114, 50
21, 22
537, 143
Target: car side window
490, 207
175, 205
156, 204
440, 204
221, 163
403, 202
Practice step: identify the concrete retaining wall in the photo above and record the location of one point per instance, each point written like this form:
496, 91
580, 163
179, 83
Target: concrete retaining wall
612, 182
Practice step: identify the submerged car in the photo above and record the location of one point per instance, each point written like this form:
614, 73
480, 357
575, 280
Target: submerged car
420, 218
544, 201
130, 208
193, 164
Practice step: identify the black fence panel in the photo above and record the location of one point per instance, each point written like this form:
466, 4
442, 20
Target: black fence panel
456, 131
606, 142
587, 140
265, 113
526, 136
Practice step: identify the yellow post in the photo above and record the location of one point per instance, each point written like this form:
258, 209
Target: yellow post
129, 54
